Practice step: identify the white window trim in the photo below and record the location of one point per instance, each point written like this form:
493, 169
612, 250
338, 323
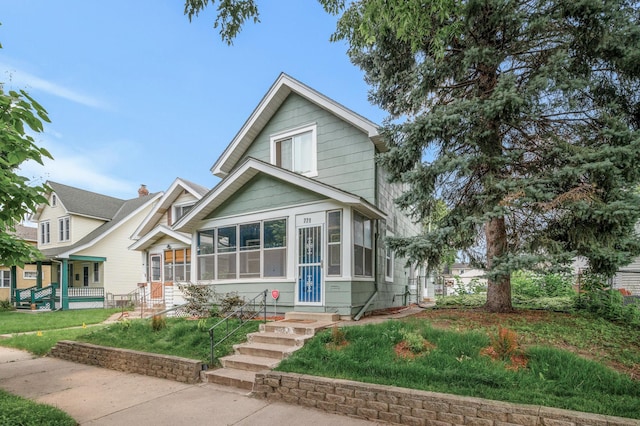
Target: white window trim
373, 248
389, 258
237, 252
275, 138
175, 208
29, 275
44, 224
93, 272
4, 272
54, 200
66, 233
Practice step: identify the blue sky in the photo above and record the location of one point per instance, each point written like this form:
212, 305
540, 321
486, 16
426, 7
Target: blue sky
139, 95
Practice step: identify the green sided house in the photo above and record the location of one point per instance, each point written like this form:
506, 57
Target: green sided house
85, 236
303, 209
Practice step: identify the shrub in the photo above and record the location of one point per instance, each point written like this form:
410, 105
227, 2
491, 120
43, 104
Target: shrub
198, 297
415, 342
158, 322
602, 301
229, 303
504, 346
531, 285
5, 305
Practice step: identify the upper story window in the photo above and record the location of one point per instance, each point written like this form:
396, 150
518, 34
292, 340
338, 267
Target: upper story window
64, 229
54, 200
296, 150
45, 235
181, 210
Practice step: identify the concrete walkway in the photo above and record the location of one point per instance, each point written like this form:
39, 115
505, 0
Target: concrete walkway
97, 396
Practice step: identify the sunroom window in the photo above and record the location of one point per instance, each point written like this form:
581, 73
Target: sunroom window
362, 246
334, 243
250, 250
295, 150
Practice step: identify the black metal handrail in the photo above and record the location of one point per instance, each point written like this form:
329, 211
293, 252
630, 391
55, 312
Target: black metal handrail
244, 313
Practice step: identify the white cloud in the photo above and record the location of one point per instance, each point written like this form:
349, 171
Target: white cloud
80, 169
24, 80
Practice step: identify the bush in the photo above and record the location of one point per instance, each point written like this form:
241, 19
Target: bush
198, 297
5, 305
531, 285
602, 301
229, 303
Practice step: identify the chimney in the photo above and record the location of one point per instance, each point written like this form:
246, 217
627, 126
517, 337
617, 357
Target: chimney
143, 191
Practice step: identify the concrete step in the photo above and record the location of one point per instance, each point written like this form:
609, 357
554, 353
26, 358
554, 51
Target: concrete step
277, 338
265, 350
315, 316
300, 327
248, 362
241, 379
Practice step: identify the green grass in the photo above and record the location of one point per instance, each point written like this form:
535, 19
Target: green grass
21, 322
180, 337
553, 377
15, 410
41, 344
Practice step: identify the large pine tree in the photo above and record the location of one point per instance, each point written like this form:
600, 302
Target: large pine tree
523, 116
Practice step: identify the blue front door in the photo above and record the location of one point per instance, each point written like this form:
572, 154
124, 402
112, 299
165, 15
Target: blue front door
309, 290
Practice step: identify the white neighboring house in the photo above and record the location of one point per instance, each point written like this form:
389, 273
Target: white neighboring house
85, 236
460, 276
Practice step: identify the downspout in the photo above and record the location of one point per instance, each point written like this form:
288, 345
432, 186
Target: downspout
366, 305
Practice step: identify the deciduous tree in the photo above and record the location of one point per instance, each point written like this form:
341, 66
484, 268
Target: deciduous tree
19, 115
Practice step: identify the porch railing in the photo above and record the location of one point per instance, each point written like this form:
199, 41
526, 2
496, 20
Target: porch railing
35, 295
250, 310
86, 291
23, 294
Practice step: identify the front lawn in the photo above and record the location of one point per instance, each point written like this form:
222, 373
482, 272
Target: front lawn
452, 356
25, 321
180, 337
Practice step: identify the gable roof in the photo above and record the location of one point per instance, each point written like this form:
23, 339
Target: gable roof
83, 203
113, 217
25, 233
170, 195
156, 234
268, 106
250, 168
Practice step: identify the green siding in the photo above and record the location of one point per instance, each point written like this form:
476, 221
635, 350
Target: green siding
261, 193
345, 154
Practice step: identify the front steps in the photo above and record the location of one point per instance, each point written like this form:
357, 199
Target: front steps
265, 349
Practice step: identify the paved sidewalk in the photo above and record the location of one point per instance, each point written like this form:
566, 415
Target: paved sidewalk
98, 396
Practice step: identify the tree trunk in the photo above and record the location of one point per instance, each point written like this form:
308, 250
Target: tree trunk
498, 287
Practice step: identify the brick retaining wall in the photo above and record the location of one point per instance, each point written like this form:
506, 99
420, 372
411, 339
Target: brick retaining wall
155, 365
414, 407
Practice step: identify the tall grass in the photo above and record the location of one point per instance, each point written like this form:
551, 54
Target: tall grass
553, 377
180, 337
